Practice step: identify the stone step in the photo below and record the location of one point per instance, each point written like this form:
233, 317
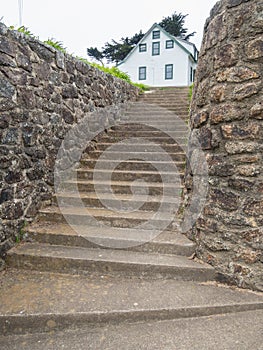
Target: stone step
122, 187
116, 155
128, 175
166, 242
110, 218
45, 257
122, 308
101, 200
148, 164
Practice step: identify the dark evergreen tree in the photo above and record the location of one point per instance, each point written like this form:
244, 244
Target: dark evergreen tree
95, 53
174, 25
116, 51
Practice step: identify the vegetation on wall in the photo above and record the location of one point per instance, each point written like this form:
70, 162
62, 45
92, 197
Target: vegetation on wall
116, 72
116, 51
58, 45
190, 95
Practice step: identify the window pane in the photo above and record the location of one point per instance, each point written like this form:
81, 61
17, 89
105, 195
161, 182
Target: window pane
142, 47
168, 71
156, 34
169, 44
142, 73
156, 48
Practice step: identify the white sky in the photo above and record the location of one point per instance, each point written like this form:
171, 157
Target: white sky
82, 23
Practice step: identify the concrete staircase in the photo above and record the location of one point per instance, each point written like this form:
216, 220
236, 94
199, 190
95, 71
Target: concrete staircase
55, 246
173, 99
122, 256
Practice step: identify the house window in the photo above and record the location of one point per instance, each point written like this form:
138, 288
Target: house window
142, 48
156, 48
142, 73
169, 71
192, 75
156, 34
169, 44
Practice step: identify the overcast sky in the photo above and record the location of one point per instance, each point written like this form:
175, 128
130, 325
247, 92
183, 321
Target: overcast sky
82, 23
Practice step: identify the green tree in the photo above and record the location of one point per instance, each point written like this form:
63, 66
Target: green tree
174, 25
95, 53
115, 51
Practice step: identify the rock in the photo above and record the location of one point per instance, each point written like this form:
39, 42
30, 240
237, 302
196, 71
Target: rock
7, 90
254, 49
245, 91
233, 131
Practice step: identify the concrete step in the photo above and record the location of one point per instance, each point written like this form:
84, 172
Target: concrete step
101, 200
124, 311
132, 164
234, 330
116, 155
133, 127
122, 187
152, 118
166, 101
110, 218
166, 242
157, 139
128, 175
45, 257
161, 107
173, 132
143, 147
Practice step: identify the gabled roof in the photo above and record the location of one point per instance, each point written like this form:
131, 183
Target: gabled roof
176, 40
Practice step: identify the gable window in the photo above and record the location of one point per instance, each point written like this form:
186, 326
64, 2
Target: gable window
156, 48
169, 71
156, 34
142, 73
169, 44
142, 47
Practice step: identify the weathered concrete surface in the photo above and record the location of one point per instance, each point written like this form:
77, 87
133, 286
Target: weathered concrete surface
240, 331
46, 301
66, 259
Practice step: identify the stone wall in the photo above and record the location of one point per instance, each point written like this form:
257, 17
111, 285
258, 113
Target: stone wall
43, 94
226, 115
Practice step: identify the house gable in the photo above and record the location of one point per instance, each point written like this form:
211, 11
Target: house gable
160, 59
154, 27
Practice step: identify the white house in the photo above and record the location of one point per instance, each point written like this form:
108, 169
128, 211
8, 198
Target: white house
160, 59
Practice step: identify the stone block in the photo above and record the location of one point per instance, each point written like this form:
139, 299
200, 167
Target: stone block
254, 48
245, 91
236, 132
236, 74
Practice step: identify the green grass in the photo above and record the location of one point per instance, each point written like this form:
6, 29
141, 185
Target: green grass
58, 45
190, 94
116, 72
22, 231
23, 30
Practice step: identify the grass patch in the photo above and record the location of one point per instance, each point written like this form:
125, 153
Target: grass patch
58, 45
190, 94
